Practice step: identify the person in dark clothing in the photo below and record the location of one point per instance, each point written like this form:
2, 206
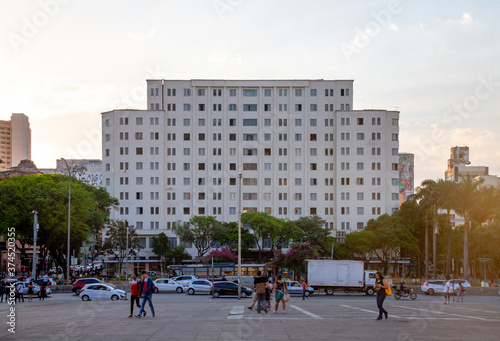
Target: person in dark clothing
147, 293
261, 284
380, 286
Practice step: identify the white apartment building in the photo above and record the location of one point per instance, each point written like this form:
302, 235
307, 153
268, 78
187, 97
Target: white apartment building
15, 141
298, 144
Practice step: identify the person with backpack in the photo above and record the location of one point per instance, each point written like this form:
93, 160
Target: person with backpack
383, 290
147, 294
43, 291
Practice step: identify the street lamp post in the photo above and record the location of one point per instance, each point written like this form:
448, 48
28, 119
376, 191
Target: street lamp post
126, 265
35, 230
69, 221
239, 237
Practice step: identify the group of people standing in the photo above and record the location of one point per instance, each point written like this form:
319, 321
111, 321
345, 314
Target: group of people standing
264, 290
142, 288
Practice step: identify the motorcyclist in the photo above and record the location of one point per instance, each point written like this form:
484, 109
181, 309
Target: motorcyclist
402, 287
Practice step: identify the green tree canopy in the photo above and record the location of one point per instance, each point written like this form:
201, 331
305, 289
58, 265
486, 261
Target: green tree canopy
116, 242
201, 232
48, 195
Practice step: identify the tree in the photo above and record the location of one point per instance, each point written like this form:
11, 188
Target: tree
361, 244
177, 255
227, 235
200, 232
48, 195
116, 244
267, 228
312, 230
224, 255
428, 196
296, 256
160, 246
468, 194
446, 200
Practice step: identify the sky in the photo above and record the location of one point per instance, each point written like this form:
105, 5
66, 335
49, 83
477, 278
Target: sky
64, 62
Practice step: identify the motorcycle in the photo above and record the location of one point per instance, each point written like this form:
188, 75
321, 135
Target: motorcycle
408, 292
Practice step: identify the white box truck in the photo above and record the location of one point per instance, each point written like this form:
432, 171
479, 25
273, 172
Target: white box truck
345, 275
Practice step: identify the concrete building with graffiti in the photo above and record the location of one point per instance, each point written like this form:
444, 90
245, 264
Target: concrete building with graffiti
406, 176
86, 170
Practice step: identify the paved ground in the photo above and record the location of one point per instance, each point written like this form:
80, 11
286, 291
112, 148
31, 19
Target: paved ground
184, 317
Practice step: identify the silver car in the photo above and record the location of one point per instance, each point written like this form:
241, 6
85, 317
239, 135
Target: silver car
198, 286
98, 291
183, 279
432, 287
294, 287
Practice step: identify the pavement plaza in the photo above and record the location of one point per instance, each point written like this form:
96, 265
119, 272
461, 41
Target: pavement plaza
185, 317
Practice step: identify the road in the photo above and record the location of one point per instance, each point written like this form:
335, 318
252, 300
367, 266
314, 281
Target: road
199, 317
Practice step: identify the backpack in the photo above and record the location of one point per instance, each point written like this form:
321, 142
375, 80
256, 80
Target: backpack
153, 286
388, 291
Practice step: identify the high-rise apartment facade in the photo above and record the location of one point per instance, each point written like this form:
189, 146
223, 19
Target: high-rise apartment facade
299, 146
15, 141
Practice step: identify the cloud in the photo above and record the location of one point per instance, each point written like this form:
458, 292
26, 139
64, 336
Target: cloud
393, 27
142, 36
466, 18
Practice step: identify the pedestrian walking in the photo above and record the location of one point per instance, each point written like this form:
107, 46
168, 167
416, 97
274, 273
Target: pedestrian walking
383, 289
279, 290
461, 292
135, 292
304, 290
447, 292
20, 292
261, 284
30, 291
147, 293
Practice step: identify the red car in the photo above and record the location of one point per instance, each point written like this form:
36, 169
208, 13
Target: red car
79, 284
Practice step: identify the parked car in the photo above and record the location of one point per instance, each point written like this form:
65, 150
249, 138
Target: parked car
198, 286
168, 285
101, 291
433, 286
295, 287
184, 279
228, 288
80, 283
36, 289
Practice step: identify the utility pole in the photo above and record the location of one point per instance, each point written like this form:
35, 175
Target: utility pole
239, 237
35, 236
69, 222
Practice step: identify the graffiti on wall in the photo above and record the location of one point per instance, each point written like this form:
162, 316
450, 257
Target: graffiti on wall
406, 177
88, 171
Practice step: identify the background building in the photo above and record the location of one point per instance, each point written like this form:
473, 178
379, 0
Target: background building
15, 141
86, 170
300, 148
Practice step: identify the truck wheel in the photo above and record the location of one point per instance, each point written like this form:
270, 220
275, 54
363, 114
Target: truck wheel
346, 290
329, 291
370, 291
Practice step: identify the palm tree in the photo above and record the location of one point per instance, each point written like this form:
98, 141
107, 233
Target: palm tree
446, 196
468, 196
427, 197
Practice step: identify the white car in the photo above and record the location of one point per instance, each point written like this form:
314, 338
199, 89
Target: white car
198, 286
99, 291
184, 279
168, 285
36, 289
433, 286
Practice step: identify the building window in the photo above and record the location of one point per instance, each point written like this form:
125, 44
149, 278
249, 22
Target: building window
249, 92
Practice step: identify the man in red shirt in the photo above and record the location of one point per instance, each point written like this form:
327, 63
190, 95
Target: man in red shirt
304, 290
134, 294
